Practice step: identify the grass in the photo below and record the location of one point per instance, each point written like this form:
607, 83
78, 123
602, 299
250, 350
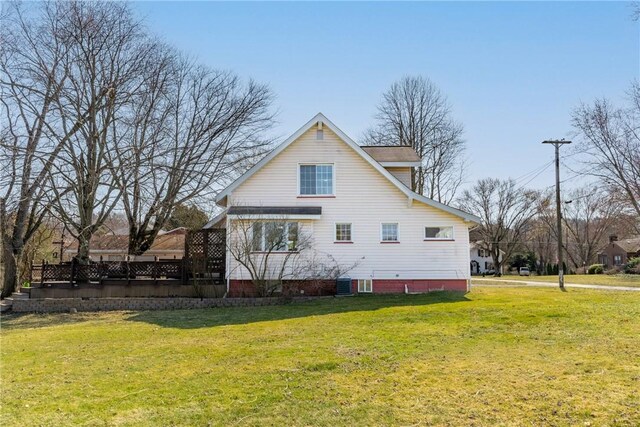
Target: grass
632, 280
508, 356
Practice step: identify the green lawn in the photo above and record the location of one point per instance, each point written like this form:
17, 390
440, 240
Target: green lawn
507, 356
582, 279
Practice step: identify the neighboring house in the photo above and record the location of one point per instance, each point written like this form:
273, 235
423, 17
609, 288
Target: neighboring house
114, 247
357, 205
481, 259
618, 252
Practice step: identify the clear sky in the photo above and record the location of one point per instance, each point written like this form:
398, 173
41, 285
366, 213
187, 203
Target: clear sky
512, 71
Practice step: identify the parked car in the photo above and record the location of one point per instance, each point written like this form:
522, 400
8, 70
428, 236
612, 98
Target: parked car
524, 271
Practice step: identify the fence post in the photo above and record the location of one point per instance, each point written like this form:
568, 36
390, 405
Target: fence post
42, 274
100, 271
73, 270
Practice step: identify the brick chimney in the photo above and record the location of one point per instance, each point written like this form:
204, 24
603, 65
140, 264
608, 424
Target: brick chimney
613, 238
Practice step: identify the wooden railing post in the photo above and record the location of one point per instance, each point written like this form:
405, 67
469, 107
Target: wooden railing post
73, 270
101, 268
42, 274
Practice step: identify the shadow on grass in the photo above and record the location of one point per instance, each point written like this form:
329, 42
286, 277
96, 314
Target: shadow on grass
209, 317
204, 318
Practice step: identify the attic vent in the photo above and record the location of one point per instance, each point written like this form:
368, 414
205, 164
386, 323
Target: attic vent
319, 132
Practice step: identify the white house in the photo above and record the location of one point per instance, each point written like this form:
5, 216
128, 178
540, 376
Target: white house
481, 260
357, 205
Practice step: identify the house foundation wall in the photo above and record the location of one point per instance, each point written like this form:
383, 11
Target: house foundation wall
398, 286
245, 288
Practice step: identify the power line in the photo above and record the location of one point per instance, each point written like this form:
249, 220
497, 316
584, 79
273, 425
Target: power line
537, 175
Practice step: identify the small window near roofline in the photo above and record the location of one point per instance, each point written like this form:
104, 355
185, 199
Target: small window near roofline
319, 134
439, 233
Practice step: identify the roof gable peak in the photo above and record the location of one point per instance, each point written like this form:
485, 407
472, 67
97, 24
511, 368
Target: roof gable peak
351, 143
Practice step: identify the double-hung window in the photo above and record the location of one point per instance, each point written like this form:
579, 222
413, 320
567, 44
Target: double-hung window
275, 236
440, 233
343, 232
316, 180
389, 232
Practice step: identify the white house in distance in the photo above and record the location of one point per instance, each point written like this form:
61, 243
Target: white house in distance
357, 205
481, 260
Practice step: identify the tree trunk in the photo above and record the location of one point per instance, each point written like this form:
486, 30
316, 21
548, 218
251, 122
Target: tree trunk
497, 265
82, 257
8, 271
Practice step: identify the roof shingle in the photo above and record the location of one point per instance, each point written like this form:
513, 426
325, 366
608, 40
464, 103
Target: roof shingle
398, 153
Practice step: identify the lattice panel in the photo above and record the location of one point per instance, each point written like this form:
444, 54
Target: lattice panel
142, 269
114, 269
216, 245
170, 270
56, 272
86, 272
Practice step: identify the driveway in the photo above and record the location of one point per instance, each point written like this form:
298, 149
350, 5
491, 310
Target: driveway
508, 282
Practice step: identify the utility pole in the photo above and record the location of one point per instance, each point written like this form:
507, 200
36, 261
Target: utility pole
557, 144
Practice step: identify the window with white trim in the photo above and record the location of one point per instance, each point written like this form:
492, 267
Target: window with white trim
275, 236
365, 286
343, 232
438, 233
316, 180
389, 232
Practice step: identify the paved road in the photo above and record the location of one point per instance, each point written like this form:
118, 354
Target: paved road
508, 282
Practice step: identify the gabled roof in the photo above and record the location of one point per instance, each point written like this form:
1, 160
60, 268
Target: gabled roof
393, 155
326, 122
629, 245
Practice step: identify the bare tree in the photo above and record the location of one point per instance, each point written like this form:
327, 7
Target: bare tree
280, 257
588, 218
540, 240
414, 112
109, 51
505, 210
34, 51
267, 250
313, 272
190, 131
610, 137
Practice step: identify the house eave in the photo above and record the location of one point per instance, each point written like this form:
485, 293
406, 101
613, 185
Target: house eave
274, 216
400, 164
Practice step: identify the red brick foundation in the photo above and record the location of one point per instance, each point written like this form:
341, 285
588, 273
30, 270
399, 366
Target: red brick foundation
397, 286
245, 288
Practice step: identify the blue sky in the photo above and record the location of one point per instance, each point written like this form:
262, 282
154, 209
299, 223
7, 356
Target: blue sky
512, 71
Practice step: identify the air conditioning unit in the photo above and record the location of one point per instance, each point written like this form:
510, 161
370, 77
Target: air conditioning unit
343, 286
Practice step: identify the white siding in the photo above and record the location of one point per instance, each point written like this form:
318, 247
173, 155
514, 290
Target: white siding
365, 198
403, 174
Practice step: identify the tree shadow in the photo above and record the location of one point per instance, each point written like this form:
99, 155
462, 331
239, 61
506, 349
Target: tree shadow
211, 317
